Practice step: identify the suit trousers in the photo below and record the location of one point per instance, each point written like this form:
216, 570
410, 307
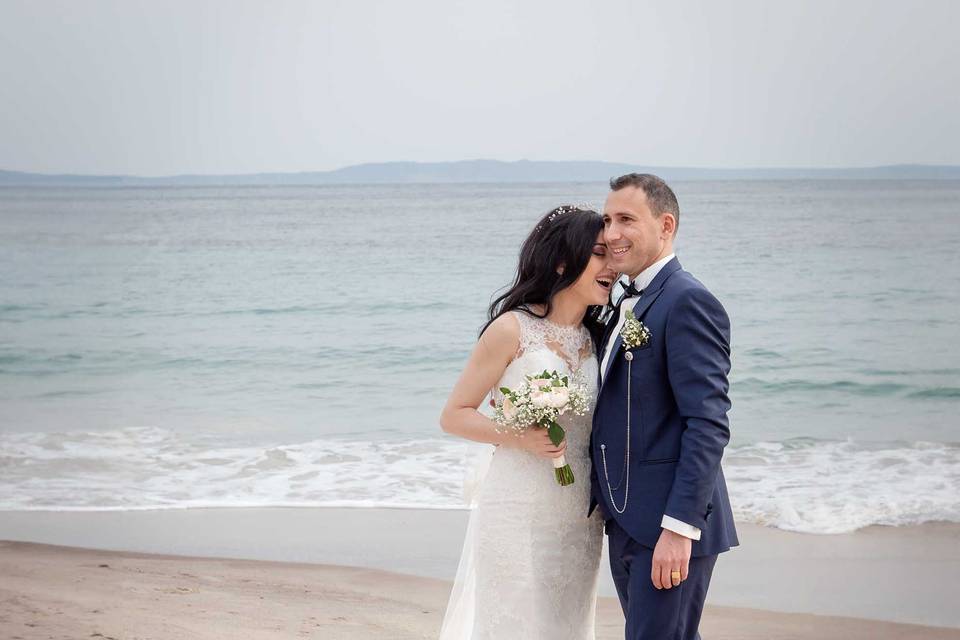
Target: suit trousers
651, 613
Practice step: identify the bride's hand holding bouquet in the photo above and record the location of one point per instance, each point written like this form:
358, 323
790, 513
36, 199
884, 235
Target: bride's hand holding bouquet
532, 410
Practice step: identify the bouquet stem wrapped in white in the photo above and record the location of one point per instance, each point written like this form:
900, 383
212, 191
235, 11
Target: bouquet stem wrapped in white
538, 403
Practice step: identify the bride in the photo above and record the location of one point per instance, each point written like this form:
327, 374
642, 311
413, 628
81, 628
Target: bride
530, 561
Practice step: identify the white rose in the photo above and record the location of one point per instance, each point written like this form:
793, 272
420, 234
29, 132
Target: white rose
540, 383
559, 397
540, 399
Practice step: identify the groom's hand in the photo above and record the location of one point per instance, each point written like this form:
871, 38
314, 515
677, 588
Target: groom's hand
671, 553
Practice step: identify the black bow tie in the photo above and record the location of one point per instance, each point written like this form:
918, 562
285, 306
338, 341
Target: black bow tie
631, 291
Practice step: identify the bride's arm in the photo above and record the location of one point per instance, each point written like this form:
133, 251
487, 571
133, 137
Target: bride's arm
495, 350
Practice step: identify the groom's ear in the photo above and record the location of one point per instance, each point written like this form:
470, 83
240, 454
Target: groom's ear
668, 224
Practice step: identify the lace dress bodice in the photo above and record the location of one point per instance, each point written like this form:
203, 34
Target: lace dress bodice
545, 345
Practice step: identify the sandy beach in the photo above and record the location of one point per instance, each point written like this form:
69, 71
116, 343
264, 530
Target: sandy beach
63, 592
385, 573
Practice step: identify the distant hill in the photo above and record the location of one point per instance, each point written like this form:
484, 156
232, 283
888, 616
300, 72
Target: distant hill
485, 171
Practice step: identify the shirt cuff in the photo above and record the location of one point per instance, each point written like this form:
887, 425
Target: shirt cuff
682, 528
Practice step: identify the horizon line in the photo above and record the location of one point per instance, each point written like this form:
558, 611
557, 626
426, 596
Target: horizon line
901, 165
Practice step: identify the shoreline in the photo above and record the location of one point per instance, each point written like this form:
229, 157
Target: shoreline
79, 592
773, 571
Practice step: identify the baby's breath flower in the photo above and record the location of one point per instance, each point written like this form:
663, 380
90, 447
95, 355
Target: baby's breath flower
634, 332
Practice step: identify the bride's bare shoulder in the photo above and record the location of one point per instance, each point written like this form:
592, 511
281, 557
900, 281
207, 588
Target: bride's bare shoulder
503, 334
505, 327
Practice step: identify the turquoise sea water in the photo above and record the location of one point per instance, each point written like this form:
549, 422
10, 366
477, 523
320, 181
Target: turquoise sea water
268, 345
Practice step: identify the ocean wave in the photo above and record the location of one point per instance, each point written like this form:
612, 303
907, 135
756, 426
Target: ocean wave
149, 468
801, 484
7, 307
810, 386
822, 486
937, 392
848, 387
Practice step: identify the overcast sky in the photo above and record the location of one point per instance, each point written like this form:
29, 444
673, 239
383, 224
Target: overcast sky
163, 87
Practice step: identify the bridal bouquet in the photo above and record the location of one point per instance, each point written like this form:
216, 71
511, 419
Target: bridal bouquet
542, 399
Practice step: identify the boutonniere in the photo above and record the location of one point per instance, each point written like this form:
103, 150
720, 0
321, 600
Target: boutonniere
634, 332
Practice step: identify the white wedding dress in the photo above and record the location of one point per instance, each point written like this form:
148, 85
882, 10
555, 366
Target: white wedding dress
531, 557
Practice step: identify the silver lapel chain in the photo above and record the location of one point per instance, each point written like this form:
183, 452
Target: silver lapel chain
625, 474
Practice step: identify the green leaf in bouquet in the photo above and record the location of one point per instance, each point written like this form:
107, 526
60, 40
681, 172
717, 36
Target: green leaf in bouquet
556, 433
505, 391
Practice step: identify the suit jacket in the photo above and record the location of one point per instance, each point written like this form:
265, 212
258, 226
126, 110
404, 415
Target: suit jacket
678, 414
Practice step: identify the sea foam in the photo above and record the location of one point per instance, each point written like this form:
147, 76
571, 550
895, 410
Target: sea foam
801, 484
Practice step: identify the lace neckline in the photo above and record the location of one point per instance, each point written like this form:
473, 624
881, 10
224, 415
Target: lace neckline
571, 328
562, 327
571, 343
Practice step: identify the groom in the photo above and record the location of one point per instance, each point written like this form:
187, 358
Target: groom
660, 424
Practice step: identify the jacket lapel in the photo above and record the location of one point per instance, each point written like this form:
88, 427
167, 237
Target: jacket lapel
613, 349
650, 294
639, 309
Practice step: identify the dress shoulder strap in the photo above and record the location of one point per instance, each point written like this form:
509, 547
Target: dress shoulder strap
532, 330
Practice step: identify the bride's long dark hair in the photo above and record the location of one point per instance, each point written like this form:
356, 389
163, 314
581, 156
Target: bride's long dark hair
565, 236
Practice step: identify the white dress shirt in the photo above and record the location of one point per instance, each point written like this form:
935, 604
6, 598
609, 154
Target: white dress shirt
642, 281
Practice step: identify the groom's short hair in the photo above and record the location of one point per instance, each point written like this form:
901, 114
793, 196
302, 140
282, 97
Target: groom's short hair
660, 197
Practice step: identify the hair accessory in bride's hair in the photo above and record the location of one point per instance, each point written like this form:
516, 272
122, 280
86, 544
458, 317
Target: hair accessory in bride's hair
562, 209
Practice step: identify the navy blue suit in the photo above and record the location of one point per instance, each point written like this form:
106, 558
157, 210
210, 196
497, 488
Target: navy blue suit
679, 428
